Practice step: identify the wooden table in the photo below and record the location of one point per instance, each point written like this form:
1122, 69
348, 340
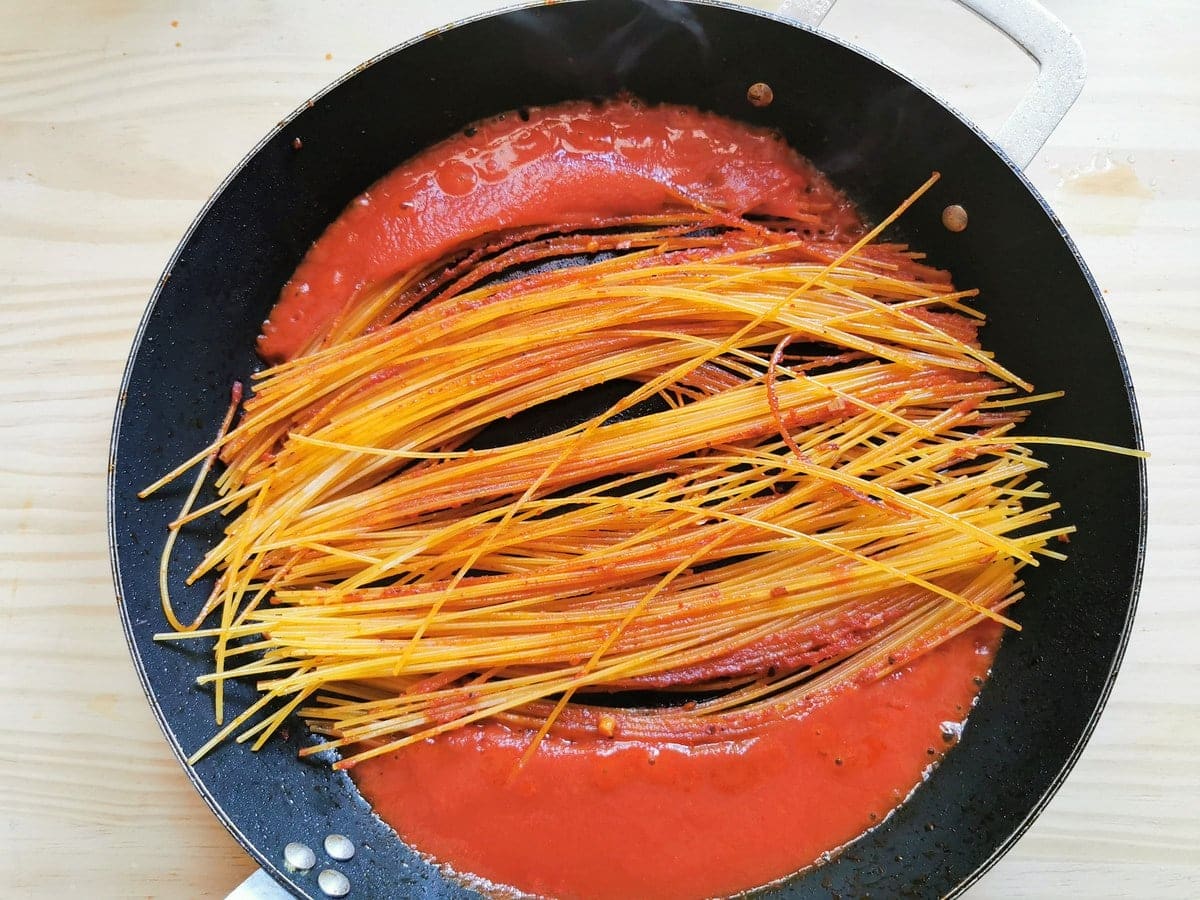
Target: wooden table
117, 119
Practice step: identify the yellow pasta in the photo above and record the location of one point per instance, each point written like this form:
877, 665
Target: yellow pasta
831, 483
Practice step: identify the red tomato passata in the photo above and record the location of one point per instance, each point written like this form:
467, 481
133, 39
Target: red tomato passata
605, 817
574, 164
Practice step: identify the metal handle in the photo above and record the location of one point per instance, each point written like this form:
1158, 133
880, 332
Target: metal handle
1061, 66
259, 886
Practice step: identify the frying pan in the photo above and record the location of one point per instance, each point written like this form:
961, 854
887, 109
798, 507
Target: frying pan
877, 135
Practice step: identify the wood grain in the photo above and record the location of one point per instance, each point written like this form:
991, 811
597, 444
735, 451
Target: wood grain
116, 124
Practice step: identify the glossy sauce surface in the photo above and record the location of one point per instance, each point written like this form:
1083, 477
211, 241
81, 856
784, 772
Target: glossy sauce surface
613, 819
575, 164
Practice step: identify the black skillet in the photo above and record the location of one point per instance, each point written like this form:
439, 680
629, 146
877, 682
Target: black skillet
878, 136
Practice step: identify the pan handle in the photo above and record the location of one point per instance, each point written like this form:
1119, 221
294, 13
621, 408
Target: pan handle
259, 886
1061, 66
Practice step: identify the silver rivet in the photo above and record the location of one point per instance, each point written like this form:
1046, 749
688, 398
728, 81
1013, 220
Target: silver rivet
339, 847
333, 883
299, 856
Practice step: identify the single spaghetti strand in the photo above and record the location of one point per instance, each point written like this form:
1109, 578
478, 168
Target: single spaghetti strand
209, 456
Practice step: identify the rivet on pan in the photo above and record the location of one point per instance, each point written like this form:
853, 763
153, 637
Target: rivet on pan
760, 94
339, 847
333, 883
299, 856
954, 217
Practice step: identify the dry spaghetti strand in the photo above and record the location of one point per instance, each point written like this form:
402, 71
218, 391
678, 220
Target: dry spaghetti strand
832, 482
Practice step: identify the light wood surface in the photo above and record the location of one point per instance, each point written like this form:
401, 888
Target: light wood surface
118, 118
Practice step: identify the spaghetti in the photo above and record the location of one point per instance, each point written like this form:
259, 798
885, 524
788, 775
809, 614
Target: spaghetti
810, 516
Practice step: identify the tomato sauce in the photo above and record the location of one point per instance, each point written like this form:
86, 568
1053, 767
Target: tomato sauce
596, 817
603, 819
574, 164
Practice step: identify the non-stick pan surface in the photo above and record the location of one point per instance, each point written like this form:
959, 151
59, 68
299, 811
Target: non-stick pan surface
878, 137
